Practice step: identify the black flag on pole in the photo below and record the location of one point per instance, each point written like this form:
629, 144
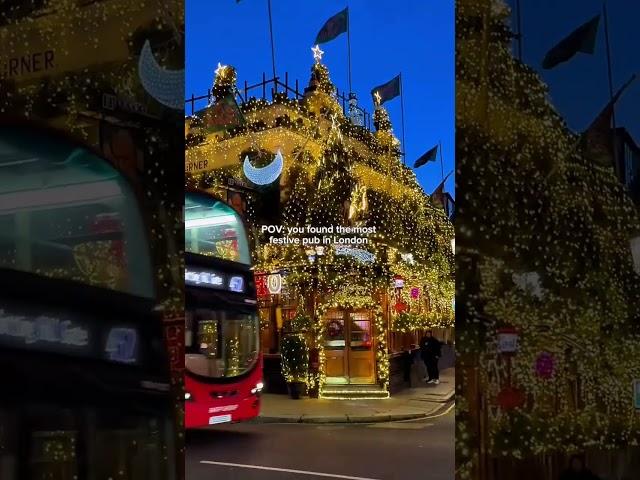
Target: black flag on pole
333, 27
582, 39
430, 156
597, 140
386, 91
437, 197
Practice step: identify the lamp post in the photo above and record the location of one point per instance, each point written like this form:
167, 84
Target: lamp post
314, 254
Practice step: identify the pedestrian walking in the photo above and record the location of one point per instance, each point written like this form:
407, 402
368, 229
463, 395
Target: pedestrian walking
577, 470
431, 351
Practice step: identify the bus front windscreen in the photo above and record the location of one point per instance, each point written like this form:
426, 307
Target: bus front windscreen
66, 213
221, 343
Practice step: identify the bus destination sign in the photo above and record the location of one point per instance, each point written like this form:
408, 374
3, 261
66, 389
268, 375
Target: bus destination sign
211, 279
62, 333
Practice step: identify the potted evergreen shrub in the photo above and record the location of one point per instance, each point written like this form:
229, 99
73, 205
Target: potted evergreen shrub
303, 323
295, 363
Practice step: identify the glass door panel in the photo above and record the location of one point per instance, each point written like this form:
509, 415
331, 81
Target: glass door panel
360, 359
335, 340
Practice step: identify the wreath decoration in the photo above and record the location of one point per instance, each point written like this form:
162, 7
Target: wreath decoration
335, 328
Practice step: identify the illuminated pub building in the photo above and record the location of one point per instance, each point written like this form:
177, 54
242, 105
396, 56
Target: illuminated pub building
347, 247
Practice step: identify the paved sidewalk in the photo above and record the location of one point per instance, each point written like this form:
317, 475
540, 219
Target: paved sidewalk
411, 403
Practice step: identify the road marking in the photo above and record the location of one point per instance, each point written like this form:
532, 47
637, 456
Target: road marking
400, 425
422, 419
285, 470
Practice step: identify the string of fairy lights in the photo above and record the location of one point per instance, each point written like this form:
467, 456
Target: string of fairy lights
335, 173
555, 214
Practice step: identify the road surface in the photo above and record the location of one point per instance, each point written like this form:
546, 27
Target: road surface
417, 450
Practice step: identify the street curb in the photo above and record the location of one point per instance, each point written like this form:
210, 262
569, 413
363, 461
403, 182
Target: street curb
363, 419
439, 398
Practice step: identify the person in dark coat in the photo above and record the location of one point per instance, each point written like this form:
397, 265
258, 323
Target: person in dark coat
431, 351
577, 470
407, 362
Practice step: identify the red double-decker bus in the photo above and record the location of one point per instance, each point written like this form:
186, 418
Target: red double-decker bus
85, 374
223, 363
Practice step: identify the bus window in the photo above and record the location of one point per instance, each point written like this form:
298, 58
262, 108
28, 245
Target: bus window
221, 343
212, 228
65, 213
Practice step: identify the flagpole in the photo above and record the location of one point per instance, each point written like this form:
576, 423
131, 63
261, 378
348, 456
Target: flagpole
404, 146
610, 75
441, 161
273, 51
349, 47
519, 23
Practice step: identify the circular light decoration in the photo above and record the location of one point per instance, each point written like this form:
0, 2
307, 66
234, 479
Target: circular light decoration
274, 283
166, 86
265, 175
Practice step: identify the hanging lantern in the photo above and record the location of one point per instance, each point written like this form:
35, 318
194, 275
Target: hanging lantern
510, 398
261, 285
400, 307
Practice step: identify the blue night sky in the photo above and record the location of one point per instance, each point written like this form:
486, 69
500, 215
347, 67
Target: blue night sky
387, 37
579, 88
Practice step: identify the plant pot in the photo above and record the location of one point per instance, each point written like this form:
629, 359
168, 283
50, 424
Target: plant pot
314, 392
296, 389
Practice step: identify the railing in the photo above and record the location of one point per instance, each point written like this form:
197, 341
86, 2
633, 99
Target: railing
273, 86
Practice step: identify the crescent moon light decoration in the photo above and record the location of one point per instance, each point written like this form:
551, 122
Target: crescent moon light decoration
166, 86
265, 175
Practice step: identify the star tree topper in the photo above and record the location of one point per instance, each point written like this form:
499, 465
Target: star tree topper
220, 71
317, 53
378, 97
